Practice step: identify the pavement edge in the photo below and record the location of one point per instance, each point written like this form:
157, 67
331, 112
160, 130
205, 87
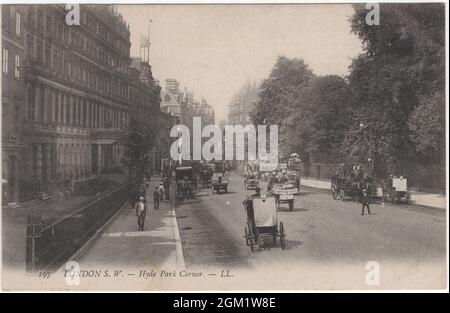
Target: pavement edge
179, 246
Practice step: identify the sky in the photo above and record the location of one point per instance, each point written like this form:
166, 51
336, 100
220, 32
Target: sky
214, 49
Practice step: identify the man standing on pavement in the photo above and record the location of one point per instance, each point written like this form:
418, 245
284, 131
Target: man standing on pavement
166, 187
161, 191
156, 198
365, 200
141, 212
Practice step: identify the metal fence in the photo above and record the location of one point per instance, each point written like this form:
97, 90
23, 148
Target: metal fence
49, 246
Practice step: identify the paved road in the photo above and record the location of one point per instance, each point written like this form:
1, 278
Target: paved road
319, 230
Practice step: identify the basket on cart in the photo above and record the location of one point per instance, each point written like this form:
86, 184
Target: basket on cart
262, 222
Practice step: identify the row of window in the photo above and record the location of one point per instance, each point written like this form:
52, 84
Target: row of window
7, 21
68, 159
54, 26
48, 105
55, 58
6, 63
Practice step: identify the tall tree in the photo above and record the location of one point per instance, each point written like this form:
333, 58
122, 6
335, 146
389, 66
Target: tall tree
402, 62
138, 142
318, 120
278, 92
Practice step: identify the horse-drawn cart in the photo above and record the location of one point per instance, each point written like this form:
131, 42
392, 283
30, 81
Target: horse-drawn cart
184, 178
284, 193
350, 181
262, 222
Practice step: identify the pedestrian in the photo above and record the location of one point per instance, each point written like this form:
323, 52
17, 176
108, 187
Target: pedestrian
156, 198
141, 212
161, 191
365, 200
166, 187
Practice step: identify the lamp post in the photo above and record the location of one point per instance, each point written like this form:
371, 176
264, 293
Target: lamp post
370, 160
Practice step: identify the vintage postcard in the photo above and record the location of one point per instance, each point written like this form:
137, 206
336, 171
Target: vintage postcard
224, 147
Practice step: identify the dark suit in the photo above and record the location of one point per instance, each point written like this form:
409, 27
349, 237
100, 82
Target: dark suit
156, 196
365, 200
141, 214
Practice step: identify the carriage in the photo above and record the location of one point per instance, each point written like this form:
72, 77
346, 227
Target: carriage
262, 222
349, 181
206, 175
219, 179
251, 182
284, 193
185, 185
395, 190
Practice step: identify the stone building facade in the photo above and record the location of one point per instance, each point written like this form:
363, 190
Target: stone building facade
66, 96
13, 99
146, 110
76, 96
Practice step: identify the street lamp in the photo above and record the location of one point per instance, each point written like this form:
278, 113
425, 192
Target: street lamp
362, 126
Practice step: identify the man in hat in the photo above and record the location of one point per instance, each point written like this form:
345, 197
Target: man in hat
156, 199
365, 200
284, 178
141, 212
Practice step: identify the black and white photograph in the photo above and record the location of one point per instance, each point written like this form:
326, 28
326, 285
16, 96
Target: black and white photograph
224, 147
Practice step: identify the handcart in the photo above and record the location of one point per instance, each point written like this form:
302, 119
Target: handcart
262, 222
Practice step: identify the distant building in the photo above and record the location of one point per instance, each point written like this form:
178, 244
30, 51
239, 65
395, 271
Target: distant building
242, 104
171, 98
183, 107
172, 85
145, 104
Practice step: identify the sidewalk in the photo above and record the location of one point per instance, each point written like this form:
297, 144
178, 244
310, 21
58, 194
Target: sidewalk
419, 198
122, 245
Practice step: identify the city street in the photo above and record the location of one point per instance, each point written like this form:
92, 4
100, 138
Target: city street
319, 230
107, 107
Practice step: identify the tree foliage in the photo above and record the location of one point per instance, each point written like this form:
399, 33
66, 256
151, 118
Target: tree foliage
402, 63
318, 120
391, 105
138, 142
278, 92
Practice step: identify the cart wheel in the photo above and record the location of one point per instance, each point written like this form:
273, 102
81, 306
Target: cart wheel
291, 205
226, 189
342, 195
247, 241
334, 192
274, 237
282, 236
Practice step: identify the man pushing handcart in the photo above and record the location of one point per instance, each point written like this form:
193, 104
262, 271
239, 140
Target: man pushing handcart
262, 222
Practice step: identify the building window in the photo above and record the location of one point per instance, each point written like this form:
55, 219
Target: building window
18, 30
31, 105
5, 61
17, 66
5, 17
